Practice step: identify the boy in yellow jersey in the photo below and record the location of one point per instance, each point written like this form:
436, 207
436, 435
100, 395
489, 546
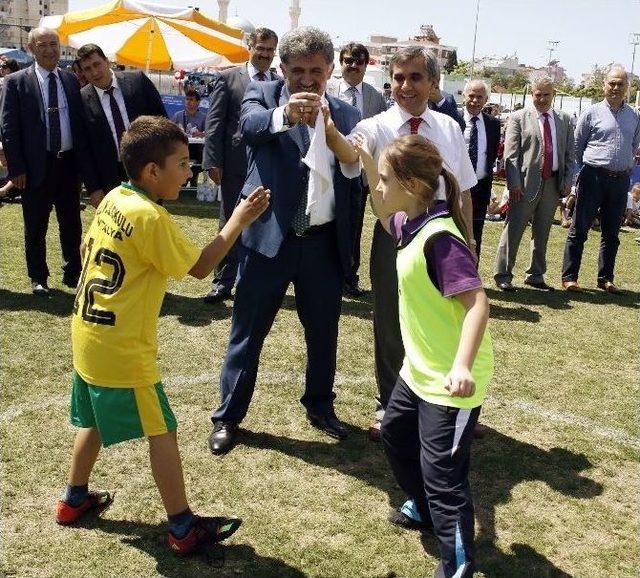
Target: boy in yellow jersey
130, 250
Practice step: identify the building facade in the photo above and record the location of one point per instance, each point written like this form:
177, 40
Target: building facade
17, 17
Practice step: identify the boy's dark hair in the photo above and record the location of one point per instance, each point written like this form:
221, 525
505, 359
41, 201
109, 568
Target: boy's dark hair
87, 50
149, 139
192, 92
356, 50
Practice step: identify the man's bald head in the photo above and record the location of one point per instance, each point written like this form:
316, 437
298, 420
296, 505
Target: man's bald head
44, 44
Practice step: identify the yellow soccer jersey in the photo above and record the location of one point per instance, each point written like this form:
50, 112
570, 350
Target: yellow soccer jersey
131, 248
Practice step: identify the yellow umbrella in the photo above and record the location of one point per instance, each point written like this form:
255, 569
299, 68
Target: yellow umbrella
147, 35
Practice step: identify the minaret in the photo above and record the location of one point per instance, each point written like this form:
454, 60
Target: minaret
294, 13
223, 5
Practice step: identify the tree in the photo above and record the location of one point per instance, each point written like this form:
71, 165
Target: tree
461, 68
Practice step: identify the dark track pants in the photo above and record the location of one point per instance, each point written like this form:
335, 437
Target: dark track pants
428, 447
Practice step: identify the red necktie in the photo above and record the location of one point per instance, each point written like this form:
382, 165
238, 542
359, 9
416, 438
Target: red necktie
547, 161
414, 123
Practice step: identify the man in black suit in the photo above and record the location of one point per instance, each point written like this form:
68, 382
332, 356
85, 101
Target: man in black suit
482, 135
225, 156
44, 139
112, 101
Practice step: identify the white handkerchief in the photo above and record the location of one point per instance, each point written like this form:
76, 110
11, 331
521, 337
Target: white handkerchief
317, 159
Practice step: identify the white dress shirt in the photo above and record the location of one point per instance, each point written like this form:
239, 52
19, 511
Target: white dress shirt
481, 166
440, 129
66, 142
253, 72
105, 101
554, 139
345, 91
324, 209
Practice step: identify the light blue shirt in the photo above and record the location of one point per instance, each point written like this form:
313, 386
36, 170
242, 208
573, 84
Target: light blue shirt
66, 140
607, 139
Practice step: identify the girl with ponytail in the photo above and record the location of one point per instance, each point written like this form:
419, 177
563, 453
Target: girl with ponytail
428, 425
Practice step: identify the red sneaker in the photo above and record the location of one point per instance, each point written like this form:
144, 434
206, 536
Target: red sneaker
66, 514
204, 531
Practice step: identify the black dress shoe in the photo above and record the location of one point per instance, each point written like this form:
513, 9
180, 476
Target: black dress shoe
223, 437
541, 285
39, 289
217, 295
506, 286
329, 424
353, 289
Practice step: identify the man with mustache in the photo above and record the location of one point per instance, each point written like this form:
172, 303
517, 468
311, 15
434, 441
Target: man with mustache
224, 154
304, 237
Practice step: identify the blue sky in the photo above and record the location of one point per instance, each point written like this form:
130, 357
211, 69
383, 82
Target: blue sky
589, 31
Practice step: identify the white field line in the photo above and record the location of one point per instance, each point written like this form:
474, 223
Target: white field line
14, 411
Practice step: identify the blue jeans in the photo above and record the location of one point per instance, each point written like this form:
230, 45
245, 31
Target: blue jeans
596, 190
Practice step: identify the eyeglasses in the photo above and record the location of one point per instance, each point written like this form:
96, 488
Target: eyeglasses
351, 60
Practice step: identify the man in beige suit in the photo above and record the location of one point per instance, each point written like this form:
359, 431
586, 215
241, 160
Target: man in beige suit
539, 159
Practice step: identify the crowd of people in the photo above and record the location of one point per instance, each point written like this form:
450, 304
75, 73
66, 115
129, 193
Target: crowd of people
298, 164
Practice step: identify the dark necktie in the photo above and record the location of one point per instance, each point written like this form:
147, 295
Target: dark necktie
352, 90
547, 161
473, 142
414, 124
301, 220
261, 76
118, 123
53, 112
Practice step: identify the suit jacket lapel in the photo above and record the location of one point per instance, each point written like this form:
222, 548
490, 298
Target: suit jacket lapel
127, 95
35, 85
560, 136
293, 133
367, 105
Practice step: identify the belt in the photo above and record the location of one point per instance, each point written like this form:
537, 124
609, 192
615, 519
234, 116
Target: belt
315, 230
610, 174
60, 154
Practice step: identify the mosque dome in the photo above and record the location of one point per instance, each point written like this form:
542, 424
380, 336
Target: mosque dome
242, 23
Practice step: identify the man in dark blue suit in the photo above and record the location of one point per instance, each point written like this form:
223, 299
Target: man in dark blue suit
44, 139
443, 102
304, 237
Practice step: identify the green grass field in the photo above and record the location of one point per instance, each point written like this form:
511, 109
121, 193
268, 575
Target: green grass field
555, 480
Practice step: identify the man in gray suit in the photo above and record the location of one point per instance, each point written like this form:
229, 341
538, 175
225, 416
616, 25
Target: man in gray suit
224, 155
539, 159
354, 58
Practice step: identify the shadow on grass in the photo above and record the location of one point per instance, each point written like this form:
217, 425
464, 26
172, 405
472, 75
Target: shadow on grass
561, 299
194, 311
58, 303
499, 464
235, 560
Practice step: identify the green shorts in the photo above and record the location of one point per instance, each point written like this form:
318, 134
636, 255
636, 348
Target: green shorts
119, 413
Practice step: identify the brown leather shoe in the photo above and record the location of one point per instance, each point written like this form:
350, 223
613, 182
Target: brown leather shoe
374, 431
609, 287
572, 286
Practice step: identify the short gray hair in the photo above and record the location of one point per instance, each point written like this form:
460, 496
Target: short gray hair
40, 31
541, 80
616, 67
304, 41
476, 82
431, 65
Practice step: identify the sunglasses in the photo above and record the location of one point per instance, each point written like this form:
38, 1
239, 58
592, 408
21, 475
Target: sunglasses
351, 60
